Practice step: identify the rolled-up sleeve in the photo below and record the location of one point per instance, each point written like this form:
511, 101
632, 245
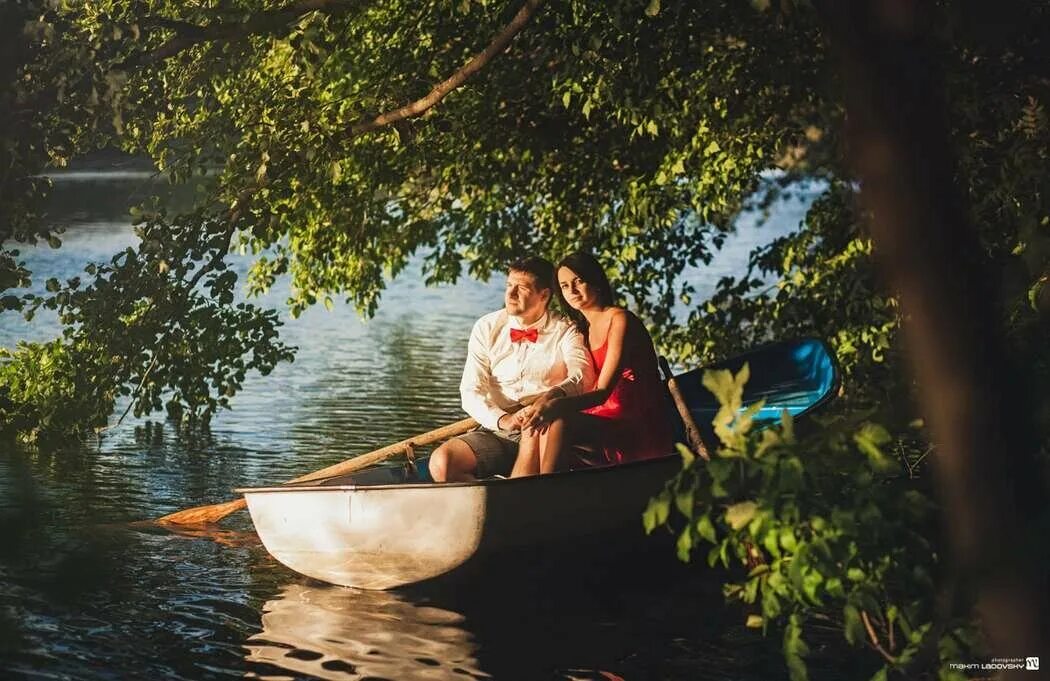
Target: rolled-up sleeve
474, 388
580, 375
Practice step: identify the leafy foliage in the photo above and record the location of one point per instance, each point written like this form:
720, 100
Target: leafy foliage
636, 131
151, 318
820, 529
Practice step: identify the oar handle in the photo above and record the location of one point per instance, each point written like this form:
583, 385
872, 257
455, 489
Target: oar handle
692, 433
371, 458
402, 447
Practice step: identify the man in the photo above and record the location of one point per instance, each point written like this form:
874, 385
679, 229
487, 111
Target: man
521, 352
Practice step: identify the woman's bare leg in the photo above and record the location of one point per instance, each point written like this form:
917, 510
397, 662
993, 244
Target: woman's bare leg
551, 444
528, 461
563, 433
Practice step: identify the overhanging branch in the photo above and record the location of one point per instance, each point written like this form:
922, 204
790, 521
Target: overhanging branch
442, 89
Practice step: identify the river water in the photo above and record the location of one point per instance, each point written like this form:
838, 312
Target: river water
86, 594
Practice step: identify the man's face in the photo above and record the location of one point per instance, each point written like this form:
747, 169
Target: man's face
523, 297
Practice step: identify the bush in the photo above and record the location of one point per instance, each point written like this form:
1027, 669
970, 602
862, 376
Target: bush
830, 528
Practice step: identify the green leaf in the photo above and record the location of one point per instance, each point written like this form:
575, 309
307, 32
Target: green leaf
833, 585
657, 512
755, 621
870, 439
739, 515
687, 455
685, 544
787, 425
706, 529
684, 502
853, 628
1033, 292
811, 583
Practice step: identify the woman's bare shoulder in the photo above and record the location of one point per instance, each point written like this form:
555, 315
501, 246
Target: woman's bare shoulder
619, 321
629, 324
618, 317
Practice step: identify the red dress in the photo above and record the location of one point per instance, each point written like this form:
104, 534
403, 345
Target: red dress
637, 424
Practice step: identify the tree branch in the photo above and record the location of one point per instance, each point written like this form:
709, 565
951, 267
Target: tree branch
875, 639
441, 90
188, 34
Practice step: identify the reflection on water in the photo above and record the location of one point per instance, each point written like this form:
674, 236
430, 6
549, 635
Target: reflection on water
335, 633
638, 619
83, 596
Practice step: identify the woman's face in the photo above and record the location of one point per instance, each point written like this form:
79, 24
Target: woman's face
577, 293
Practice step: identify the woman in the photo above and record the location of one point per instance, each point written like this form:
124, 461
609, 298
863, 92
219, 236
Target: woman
625, 416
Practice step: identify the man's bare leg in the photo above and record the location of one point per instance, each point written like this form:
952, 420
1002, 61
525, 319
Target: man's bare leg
528, 461
453, 461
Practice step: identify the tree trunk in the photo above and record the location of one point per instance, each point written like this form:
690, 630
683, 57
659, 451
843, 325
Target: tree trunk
985, 464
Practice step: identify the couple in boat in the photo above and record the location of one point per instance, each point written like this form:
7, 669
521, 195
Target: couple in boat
589, 378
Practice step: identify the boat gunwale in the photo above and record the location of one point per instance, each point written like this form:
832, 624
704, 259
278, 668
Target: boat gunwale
306, 487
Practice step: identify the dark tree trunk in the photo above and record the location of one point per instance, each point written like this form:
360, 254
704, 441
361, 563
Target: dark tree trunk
985, 464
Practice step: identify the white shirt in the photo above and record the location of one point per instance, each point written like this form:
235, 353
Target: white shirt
499, 373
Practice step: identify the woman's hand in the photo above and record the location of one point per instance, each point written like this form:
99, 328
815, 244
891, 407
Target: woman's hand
540, 414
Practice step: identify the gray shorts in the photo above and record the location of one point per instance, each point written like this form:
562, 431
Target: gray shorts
495, 451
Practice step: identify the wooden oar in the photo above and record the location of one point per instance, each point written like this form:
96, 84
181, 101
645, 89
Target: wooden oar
692, 433
212, 513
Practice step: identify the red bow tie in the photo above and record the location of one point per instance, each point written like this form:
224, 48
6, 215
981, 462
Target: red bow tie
527, 335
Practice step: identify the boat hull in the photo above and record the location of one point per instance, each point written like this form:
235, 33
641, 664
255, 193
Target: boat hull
385, 536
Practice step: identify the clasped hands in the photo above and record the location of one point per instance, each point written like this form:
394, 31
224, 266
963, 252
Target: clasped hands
539, 415
536, 417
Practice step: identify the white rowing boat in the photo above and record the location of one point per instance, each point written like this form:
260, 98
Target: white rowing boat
382, 527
